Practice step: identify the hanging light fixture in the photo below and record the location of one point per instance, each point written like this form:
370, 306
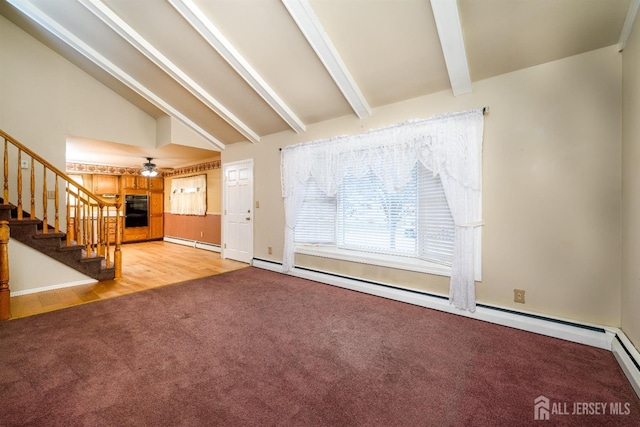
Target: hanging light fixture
149, 169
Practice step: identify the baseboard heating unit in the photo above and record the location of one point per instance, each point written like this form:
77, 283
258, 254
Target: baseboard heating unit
193, 243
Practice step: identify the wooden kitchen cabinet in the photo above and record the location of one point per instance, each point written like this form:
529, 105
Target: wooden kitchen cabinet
135, 234
156, 183
156, 215
156, 227
105, 184
111, 228
134, 182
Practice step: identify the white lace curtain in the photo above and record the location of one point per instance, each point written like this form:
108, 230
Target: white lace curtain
448, 145
189, 195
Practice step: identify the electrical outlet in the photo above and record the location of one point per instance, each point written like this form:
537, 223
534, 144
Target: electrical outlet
24, 164
270, 250
51, 194
202, 234
518, 296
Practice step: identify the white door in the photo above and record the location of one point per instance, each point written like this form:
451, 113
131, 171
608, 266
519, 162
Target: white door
237, 231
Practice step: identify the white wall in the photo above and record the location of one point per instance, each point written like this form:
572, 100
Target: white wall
25, 277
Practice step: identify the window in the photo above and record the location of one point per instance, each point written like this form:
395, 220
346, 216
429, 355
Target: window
189, 195
414, 222
388, 208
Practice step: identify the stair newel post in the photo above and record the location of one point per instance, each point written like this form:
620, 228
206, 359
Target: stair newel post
117, 254
56, 221
6, 172
5, 297
32, 211
19, 183
45, 226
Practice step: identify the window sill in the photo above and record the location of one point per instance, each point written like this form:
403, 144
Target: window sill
401, 263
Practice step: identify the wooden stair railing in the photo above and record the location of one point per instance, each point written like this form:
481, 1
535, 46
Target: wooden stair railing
92, 216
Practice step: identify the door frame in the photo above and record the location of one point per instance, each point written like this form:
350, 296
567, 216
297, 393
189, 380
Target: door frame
224, 204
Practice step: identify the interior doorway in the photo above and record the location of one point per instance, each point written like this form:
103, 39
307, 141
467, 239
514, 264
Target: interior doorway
237, 218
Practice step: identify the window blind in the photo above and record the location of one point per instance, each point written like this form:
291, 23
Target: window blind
375, 220
437, 229
413, 222
317, 218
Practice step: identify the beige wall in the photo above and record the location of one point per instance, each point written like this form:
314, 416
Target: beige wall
172, 131
631, 188
551, 186
45, 98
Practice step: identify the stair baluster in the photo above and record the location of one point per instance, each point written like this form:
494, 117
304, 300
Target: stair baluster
19, 184
56, 218
45, 225
32, 211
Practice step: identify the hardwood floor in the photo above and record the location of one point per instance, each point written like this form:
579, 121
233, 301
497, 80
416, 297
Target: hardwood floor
144, 266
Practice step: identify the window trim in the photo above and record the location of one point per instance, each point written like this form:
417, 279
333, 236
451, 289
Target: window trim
382, 260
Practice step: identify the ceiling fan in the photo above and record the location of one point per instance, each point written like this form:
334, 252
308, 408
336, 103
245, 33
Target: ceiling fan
149, 169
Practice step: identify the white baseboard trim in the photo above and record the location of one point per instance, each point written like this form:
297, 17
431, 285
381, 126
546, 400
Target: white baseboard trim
593, 335
192, 243
608, 338
628, 357
52, 287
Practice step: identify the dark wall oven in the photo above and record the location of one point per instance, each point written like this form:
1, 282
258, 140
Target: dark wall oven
136, 210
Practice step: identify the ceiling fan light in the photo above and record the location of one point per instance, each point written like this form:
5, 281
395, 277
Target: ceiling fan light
149, 169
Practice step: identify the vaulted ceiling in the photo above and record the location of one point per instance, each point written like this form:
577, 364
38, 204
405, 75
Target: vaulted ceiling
236, 70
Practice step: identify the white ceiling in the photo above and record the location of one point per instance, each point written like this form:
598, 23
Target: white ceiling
236, 70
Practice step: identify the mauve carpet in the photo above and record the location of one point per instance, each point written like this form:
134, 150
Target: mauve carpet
253, 347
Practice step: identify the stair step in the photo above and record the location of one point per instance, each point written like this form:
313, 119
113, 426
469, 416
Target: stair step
92, 259
24, 221
54, 245
44, 236
71, 248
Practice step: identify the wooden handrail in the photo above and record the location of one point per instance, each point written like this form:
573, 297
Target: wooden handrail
90, 213
50, 167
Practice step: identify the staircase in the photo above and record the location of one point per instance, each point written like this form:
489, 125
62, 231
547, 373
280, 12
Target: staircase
30, 232
93, 224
